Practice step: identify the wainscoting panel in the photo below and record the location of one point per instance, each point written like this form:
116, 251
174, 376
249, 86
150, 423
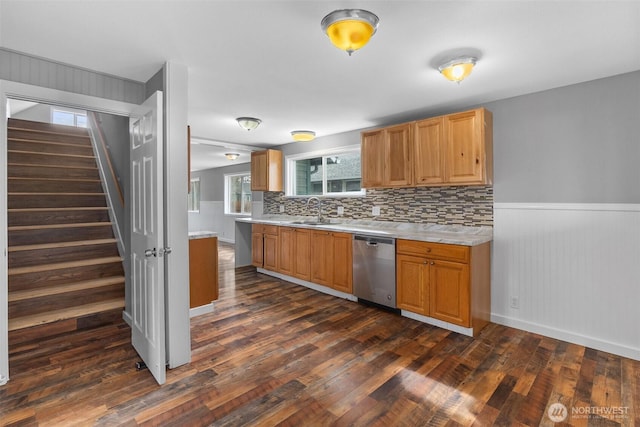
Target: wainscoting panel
569, 271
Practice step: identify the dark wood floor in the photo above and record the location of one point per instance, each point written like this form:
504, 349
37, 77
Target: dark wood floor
277, 353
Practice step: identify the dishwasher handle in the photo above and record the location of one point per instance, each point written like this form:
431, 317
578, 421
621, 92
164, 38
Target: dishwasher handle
374, 240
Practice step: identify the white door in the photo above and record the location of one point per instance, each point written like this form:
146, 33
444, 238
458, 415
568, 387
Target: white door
147, 239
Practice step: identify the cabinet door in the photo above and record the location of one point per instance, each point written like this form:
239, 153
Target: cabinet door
449, 288
203, 271
465, 148
302, 254
412, 291
286, 251
372, 159
270, 261
257, 250
259, 173
429, 151
342, 262
321, 257
397, 155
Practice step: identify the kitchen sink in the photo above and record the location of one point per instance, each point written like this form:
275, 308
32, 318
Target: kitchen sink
312, 222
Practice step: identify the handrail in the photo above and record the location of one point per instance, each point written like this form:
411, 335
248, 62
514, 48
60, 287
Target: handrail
108, 157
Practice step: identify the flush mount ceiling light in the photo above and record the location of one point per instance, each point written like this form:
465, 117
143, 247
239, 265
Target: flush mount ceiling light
248, 123
458, 69
232, 156
350, 29
303, 135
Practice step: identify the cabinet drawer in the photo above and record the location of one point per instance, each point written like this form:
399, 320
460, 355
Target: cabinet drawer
256, 228
270, 229
433, 250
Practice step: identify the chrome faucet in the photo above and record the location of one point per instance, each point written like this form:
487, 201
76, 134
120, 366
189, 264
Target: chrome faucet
319, 206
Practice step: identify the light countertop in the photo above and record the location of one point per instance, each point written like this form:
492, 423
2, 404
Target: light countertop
202, 234
450, 234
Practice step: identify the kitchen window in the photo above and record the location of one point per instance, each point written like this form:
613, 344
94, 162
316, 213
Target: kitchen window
332, 173
237, 194
194, 195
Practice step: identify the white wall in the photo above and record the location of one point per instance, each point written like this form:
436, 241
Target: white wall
574, 269
566, 217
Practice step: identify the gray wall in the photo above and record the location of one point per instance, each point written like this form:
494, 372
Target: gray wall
212, 180
575, 144
23, 68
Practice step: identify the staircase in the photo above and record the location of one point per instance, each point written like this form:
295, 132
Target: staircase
65, 272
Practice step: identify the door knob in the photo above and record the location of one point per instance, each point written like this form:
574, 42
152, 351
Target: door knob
164, 251
150, 252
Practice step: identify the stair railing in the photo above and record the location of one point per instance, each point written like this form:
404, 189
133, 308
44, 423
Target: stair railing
109, 178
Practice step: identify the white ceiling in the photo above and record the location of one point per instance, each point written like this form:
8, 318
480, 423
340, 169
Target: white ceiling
270, 59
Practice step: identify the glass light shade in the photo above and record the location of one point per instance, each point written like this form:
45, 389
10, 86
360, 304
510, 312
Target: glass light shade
303, 135
458, 69
232, 156
350, 29
248, 123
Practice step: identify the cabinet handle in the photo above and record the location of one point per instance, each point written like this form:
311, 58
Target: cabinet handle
432, 263
428, 250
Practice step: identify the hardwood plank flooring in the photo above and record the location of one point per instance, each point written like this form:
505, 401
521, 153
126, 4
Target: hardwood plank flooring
274, 353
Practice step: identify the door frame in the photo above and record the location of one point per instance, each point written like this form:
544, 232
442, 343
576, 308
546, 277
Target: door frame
22, 91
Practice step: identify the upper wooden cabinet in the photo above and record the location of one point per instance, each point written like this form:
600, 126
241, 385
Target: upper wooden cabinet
456, 149
386, 157
372, 158
266, 170
469, 152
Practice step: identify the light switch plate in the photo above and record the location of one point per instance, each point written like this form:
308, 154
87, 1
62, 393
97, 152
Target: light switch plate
340, 210
281, 208
375, 211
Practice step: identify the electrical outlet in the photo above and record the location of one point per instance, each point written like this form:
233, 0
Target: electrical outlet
281, 208
375, 211
340, 210
515, 302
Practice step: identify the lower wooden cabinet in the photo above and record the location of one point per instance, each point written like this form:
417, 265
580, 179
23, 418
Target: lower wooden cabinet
264, 246
332, 259
293, 252
412, 284
446, 282
203, 271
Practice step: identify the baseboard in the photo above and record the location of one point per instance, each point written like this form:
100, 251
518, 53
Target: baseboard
314, 286
203, 309
127, 318
3, 380
621, 350
439, 323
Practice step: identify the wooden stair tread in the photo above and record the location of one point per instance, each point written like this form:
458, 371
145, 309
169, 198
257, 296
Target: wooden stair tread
54, 226
61, 245
39, 141
80, 133
82, 156
63, 265
67, 313
64, 288
20, 178
28, 193
52, 166
74, 208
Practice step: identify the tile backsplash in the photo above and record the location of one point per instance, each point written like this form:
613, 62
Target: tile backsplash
459, 205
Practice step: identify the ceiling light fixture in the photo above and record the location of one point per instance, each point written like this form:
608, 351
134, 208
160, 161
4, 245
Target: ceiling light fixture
248, 123
303, 135
458, 69
350, 29
232, 156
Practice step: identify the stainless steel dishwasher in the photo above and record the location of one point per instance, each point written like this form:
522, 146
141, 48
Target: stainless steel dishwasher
374, 269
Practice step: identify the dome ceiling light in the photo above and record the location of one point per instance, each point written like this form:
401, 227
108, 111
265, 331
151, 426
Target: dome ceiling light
350, 29
232, 156
458, 69
303, 135
248, 123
